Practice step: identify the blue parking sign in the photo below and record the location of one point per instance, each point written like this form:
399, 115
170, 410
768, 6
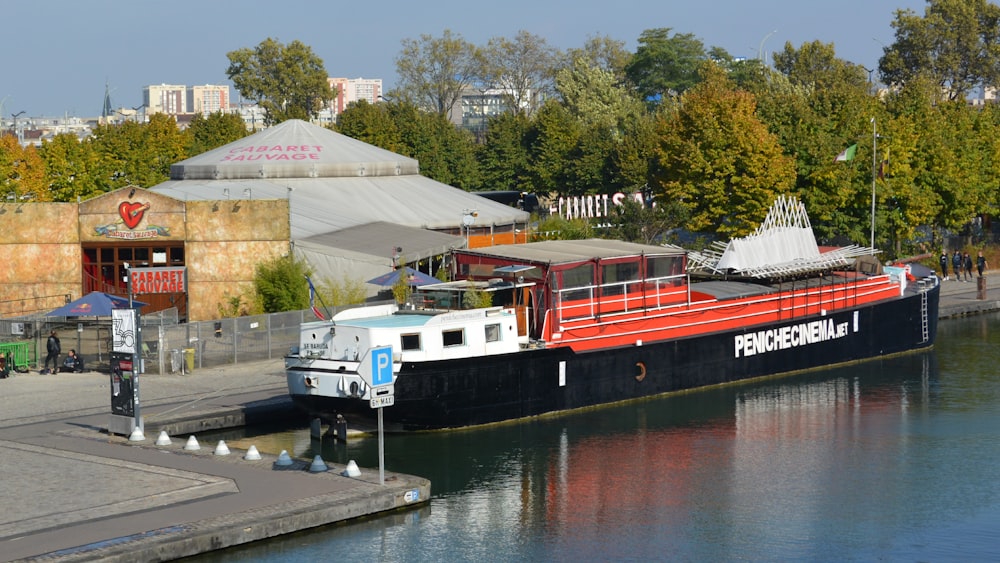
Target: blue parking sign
381, 359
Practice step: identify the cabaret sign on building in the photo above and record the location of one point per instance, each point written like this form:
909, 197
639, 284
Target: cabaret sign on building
187, 255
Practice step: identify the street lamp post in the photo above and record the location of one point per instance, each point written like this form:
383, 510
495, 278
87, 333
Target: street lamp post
760, 48
17, 134
874, 174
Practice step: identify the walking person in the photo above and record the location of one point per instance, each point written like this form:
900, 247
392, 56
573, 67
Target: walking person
981, 263
53, 349
956, 265
967, 264
944, 265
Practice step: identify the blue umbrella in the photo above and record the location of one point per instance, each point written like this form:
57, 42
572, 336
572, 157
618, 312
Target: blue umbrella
94, 304
413, 278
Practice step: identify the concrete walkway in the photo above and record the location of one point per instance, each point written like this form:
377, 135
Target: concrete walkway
74, 493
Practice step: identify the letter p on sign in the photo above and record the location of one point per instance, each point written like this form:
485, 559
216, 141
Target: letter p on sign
381, 366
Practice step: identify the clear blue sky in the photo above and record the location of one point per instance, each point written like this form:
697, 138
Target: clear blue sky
58, 55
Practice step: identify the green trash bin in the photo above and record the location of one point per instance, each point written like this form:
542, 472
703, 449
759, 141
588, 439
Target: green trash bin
189, 359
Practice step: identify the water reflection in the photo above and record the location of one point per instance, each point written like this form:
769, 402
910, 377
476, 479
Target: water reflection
891, 459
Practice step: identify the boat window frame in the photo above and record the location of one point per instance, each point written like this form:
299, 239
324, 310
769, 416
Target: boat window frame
452, 331
496, 329
403, 338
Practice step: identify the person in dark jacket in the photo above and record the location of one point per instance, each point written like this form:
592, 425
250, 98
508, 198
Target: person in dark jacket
944, 265
73, 363
981, 263
956, 265
53, 348
967, 265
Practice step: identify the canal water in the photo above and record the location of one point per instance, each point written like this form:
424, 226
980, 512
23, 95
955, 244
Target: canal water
888, 460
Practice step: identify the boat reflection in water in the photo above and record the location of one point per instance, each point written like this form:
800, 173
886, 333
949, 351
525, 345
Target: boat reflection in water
856, 461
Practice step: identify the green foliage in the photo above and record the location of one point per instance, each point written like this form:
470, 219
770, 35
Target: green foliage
401, 290
954, 44
240, 305
288, 82
433, 72
475, 298
556, 227
634, 222
216, 130
665, 65
71, 167
718, 160
521, 68
504, 158
374, 124
345, 291
137, 154
280, 284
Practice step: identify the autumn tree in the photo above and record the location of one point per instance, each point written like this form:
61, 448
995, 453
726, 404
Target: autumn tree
718, 160
434, 72
603, 52
22, 171
955, 44
138, 154
288, 82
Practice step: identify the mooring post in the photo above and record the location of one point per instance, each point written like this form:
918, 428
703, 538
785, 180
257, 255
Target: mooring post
316, 428
341, 428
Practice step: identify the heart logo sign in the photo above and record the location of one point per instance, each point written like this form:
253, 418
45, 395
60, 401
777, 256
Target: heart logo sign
132, 212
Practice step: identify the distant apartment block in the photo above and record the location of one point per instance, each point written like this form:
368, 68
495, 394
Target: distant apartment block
170, 99
347, 90
208, 99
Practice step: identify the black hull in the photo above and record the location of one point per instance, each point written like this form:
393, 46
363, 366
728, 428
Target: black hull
457, 393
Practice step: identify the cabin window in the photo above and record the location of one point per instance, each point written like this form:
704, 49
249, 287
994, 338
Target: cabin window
453, 337
664, 266
410, 341
493, 332
580, 276
615, 276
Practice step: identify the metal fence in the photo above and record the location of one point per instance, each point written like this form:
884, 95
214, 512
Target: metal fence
167, 346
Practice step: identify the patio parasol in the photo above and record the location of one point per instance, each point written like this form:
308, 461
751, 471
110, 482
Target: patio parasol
413, 278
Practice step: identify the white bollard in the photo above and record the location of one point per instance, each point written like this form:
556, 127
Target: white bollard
136, 435
192, 444
163, 439
352, 470
221, 448
252, 454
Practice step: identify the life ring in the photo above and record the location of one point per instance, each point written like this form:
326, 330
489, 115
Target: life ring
642, 371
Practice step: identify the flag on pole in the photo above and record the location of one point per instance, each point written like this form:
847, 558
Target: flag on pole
847, 154
312, 300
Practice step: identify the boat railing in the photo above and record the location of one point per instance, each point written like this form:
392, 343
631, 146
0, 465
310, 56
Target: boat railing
591, 301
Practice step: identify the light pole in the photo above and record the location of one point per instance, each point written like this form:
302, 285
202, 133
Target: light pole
874, 173
17, 135
760, 48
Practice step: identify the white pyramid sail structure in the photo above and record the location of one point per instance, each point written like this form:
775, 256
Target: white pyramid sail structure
783, 245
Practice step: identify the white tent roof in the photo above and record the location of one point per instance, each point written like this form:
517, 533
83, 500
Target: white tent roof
348, 183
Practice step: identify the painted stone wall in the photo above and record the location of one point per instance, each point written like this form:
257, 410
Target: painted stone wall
225, 241
39, 257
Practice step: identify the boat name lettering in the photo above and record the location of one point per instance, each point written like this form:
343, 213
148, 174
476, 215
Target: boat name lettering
465, 316
310, 346
788, 337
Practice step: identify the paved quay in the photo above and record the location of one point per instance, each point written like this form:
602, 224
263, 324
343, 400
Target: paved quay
73, 493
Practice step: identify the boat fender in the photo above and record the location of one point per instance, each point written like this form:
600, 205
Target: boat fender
642, 371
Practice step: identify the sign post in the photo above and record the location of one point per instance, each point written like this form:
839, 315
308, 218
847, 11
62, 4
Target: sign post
376, 370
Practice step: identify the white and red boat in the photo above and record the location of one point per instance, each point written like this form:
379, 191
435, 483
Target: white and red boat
573, 324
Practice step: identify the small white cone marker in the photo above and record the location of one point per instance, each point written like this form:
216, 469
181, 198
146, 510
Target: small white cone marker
192, 444
318, 465
136, 435
221, 448
283, 458
352, 470
163, 439
252, 454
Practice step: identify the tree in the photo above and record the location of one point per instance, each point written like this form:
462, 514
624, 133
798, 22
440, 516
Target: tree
71, 167
280, 284
955, 44
816, 64
604, 53
504, 159
665, 65
718, 160
635, 222
216, 130
22, 171
521, 69
434, 72
371, 123
288, 82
